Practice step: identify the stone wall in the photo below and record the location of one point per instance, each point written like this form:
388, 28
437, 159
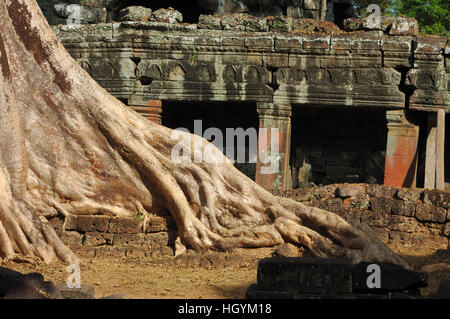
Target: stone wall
96, 236
412, 221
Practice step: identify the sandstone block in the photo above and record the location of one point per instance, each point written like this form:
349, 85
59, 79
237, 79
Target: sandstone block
402, 208
305, 275
430, 213
135, 13
128, 239
124, 225
90, 223
97, 239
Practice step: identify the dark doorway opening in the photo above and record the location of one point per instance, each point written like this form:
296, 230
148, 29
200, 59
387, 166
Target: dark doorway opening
337, 145
342, 11
231, 119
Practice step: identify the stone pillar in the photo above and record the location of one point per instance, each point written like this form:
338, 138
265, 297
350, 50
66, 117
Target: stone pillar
150, 109
401, 151
274, 141
434, 160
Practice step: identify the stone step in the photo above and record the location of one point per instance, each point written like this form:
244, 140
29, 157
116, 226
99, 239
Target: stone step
306, 275
323, 278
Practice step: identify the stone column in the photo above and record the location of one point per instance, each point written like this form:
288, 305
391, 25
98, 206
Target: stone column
274, 141
150, 109
401, 151
434, 161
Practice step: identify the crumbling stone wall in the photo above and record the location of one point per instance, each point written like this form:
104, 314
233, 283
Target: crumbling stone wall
98, 11
98, 235
413, 221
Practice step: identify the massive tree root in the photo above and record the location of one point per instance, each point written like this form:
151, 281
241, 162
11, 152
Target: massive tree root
69, 147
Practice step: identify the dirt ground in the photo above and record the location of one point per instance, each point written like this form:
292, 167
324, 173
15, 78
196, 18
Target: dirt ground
168, 278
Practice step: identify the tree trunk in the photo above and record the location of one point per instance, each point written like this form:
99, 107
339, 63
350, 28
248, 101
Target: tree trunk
69, 147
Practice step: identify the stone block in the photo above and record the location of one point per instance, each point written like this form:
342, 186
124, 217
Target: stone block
375, 219
403, 208
350, 190
256, 24
305, 275
70, 222
402, 223
125, 240
88, 223
135, 252
392, 278
381, 205
410, 195
254, 43
233, 22
436, 197
84, 292
314, 42
382, 191
169, 15
430, 213
210, 22
71, 238
404, 26
78, 14
97, 239
156, 239
124, 225
159, 224
446, 230
135, 13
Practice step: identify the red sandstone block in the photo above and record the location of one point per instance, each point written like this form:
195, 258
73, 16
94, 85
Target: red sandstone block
154, 103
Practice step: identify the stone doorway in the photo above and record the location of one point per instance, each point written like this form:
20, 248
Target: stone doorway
223, 116
337, 145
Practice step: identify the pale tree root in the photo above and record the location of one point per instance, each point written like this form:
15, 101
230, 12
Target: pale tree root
29, 239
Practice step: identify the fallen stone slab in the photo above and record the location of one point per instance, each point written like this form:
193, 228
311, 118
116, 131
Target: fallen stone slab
384, 277
84, 292
308, 275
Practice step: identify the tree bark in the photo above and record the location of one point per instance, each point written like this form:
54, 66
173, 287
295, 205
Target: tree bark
69, 147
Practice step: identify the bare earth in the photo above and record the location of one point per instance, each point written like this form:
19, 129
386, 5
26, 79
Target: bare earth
167, 279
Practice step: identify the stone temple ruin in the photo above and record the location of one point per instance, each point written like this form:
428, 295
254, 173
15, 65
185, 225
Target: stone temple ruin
357, 106
353, 102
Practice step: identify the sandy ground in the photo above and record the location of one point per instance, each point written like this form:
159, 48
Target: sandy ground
146, 279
